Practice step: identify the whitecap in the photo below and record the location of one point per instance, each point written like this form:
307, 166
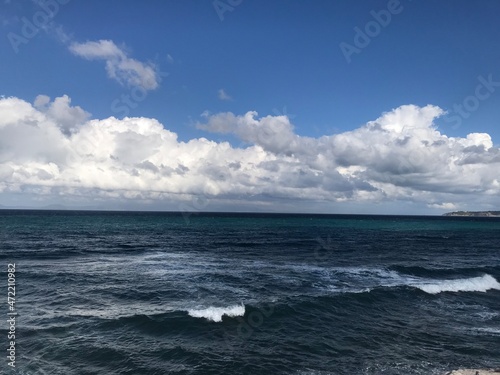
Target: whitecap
473, 284
215, 314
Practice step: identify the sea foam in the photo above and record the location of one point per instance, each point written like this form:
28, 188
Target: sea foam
215, 314
473, 284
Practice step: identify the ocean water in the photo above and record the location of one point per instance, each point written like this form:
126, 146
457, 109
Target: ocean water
166, 293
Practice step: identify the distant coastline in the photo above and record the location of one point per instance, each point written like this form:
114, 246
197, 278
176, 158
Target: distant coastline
474, 213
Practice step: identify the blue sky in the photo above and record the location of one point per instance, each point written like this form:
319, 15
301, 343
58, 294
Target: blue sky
273, 57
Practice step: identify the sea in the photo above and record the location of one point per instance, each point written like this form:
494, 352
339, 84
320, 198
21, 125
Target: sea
153, 293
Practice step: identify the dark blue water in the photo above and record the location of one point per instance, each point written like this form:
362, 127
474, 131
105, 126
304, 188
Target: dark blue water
162, 293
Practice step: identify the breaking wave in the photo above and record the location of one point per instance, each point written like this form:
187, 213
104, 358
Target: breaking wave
473, 284
215, 314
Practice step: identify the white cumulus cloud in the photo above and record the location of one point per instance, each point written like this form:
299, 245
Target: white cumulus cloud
53, 151
119, 65
66, 117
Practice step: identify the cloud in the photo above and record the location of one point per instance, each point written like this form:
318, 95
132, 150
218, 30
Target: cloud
444, 206
67, 118
54, 151
125, 70
223, 95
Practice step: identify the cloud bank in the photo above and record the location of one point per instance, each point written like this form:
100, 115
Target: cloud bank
124, 69
54, 151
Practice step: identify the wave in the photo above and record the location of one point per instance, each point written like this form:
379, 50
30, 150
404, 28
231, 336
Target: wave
215, 314
433, 271
362, 280
489, 330
473, 284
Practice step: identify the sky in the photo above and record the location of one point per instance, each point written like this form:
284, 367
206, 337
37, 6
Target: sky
380, 107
